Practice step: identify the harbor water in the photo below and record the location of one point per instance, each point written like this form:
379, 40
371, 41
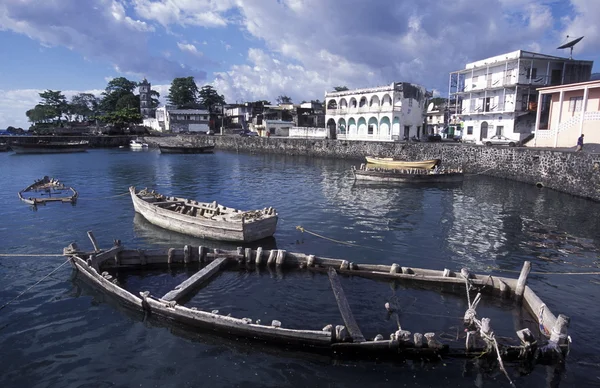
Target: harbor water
63, 333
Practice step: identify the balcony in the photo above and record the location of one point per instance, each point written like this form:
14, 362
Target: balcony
361, 110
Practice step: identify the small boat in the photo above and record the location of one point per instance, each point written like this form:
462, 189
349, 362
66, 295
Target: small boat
137, 145
414, 175
186, 149
104, 267
391, 162
50, 147
47, 190
205, 220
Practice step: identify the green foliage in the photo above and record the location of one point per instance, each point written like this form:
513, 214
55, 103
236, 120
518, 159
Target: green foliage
183, 92
340, 89
210, 98
116, 88
154, 96
41, 114
55, 104
84, 105
123, 117
283, 99
129, 100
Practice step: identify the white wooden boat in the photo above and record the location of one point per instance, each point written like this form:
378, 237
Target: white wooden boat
137, 145
101, 266
403, 164
47, 190
414, 175
202, 219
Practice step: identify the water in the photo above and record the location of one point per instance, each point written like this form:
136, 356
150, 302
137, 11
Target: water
63, 333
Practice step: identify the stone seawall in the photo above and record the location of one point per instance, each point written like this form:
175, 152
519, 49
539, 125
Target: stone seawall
566, 171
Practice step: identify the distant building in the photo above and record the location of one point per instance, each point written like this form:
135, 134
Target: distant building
146, 99
436, 118
170, 119
498, 95
567, 112
387, 113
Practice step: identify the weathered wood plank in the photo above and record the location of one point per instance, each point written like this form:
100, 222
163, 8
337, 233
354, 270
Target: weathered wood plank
199, 277
107, 254
344, 307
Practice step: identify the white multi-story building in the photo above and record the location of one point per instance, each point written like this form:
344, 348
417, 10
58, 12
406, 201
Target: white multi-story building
170, 119
498, 95
386, 113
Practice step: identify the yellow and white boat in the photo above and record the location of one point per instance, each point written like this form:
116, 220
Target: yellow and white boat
403, 164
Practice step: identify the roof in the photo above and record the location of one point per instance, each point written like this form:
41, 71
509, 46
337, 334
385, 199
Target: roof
189, 111
570, 87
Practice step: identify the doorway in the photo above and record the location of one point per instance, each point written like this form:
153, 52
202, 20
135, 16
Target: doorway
483, 133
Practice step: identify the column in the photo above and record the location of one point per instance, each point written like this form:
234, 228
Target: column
537, 117
583, 109
561, 99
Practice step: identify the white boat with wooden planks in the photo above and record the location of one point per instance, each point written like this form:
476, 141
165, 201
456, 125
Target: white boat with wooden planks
100, 266
414, 175
47, 190
202, 219
403, 164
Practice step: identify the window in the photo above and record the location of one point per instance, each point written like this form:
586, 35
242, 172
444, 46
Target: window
469, 130
575, 104
418, 131
531, 73
499, 130
406, 131
272, 130
475, 78
370, 130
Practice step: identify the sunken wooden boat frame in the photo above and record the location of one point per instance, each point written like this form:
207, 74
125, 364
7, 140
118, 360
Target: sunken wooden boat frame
205, 220
48, 184
345, 339
412, 175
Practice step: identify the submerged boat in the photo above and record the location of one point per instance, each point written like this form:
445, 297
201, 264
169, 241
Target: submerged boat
101, 268
414, 175
137, 145
203, 219
47, 190
50, 147
391, 162
186, 149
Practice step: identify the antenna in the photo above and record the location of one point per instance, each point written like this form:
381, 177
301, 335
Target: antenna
570, 45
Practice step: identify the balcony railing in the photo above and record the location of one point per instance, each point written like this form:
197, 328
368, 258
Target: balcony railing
363, 109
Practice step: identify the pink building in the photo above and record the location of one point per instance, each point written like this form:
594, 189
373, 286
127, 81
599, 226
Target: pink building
566, 112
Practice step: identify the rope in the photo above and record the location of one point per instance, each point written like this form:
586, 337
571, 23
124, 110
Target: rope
30, 255
545, 273
112, 196
33, 285
301, 229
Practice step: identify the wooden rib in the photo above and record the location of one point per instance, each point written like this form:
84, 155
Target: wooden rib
199, 277
344, 307
107, 254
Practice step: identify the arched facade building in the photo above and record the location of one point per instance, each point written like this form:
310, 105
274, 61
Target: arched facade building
387, 113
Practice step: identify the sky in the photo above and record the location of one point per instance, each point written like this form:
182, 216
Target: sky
260, 49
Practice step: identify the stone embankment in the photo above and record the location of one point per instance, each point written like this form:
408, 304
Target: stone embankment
562, 170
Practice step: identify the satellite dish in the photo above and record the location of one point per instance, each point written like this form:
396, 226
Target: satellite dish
570, 45
430, 107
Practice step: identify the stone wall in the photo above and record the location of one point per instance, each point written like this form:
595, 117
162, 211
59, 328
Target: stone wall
566, 171
308, 132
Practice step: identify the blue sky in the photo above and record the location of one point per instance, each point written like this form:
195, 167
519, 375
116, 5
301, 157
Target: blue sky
259, 49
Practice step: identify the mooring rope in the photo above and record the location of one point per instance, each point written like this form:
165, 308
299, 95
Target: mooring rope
544, 273
33, 285
30, 254
303, 230
112, 196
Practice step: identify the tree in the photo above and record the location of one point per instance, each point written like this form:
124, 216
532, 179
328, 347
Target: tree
183, 92
283, 99
437, 101
129, 100
116, 88
84, 105
154, 96
340, 89
123, 117
55, 103
41, 114
210, 98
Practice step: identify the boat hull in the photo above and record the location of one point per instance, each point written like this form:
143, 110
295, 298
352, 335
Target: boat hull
49, 148
186, 150
48, 186
391, 177
390, 162
212, 229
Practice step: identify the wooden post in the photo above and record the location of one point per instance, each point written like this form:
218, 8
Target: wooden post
248, 255
170, 255
271, 258
93, 240
558, 335
344, 307
258, 259
201, 254
395, 268
522, 282
187, 252
280, 257
193, 281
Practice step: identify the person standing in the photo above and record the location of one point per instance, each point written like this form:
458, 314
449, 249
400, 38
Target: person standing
580, 143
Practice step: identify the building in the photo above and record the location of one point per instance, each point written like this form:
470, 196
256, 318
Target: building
566, 112
146, 99
170, 119
498, 95
309, 114
436, 118
386, 113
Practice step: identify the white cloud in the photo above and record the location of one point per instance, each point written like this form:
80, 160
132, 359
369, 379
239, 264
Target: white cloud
206, 13
189, 48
